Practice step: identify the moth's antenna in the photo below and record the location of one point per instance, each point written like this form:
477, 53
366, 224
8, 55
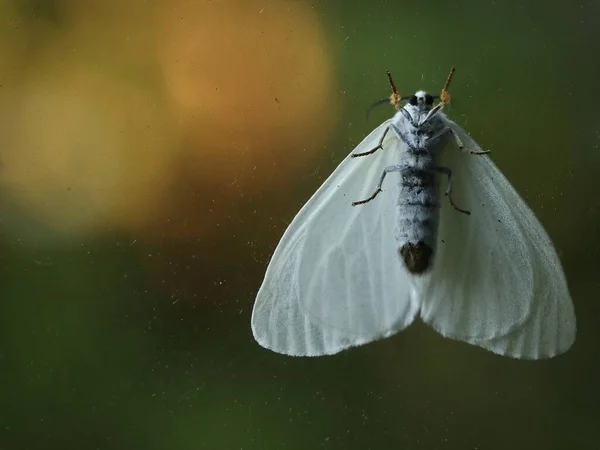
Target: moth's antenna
449, 79
445, 95
395, 97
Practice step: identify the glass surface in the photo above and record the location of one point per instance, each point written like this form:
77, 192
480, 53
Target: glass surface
152, 154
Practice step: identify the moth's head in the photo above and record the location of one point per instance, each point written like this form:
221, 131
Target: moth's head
420, 101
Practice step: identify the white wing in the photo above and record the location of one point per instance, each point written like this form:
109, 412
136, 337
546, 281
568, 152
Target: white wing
497, 281
335, 279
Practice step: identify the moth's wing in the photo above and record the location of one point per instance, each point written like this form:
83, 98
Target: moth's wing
336, 279
497, 281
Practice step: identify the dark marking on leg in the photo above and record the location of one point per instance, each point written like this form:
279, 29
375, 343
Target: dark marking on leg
379, 146
367, 200
462, 148
448, 193
378, 189
417, 257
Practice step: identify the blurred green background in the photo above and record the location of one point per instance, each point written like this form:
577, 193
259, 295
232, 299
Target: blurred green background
151, 155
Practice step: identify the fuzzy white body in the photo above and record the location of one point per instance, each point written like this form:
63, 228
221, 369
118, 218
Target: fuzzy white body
418, 203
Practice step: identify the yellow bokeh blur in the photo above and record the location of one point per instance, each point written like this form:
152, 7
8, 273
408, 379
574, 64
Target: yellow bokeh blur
104, 127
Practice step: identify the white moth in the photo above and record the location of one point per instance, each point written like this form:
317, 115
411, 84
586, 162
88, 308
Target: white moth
373, 249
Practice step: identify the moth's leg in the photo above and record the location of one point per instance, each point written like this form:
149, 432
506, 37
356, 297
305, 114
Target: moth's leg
432, 112
448, 193
408, 117
402, 136
440, 135
462, 148
387, 170
379, 146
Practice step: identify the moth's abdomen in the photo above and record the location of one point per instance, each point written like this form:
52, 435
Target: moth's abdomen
417, 219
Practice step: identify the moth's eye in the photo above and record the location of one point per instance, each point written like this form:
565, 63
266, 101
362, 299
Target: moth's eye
429, 99
413, 100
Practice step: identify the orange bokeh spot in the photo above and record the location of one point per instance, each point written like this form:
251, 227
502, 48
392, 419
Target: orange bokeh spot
251, 82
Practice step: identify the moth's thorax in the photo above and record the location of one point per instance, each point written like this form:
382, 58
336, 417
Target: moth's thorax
416, 111
419, 137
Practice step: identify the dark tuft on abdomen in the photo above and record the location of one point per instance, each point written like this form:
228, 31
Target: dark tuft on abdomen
417, 257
